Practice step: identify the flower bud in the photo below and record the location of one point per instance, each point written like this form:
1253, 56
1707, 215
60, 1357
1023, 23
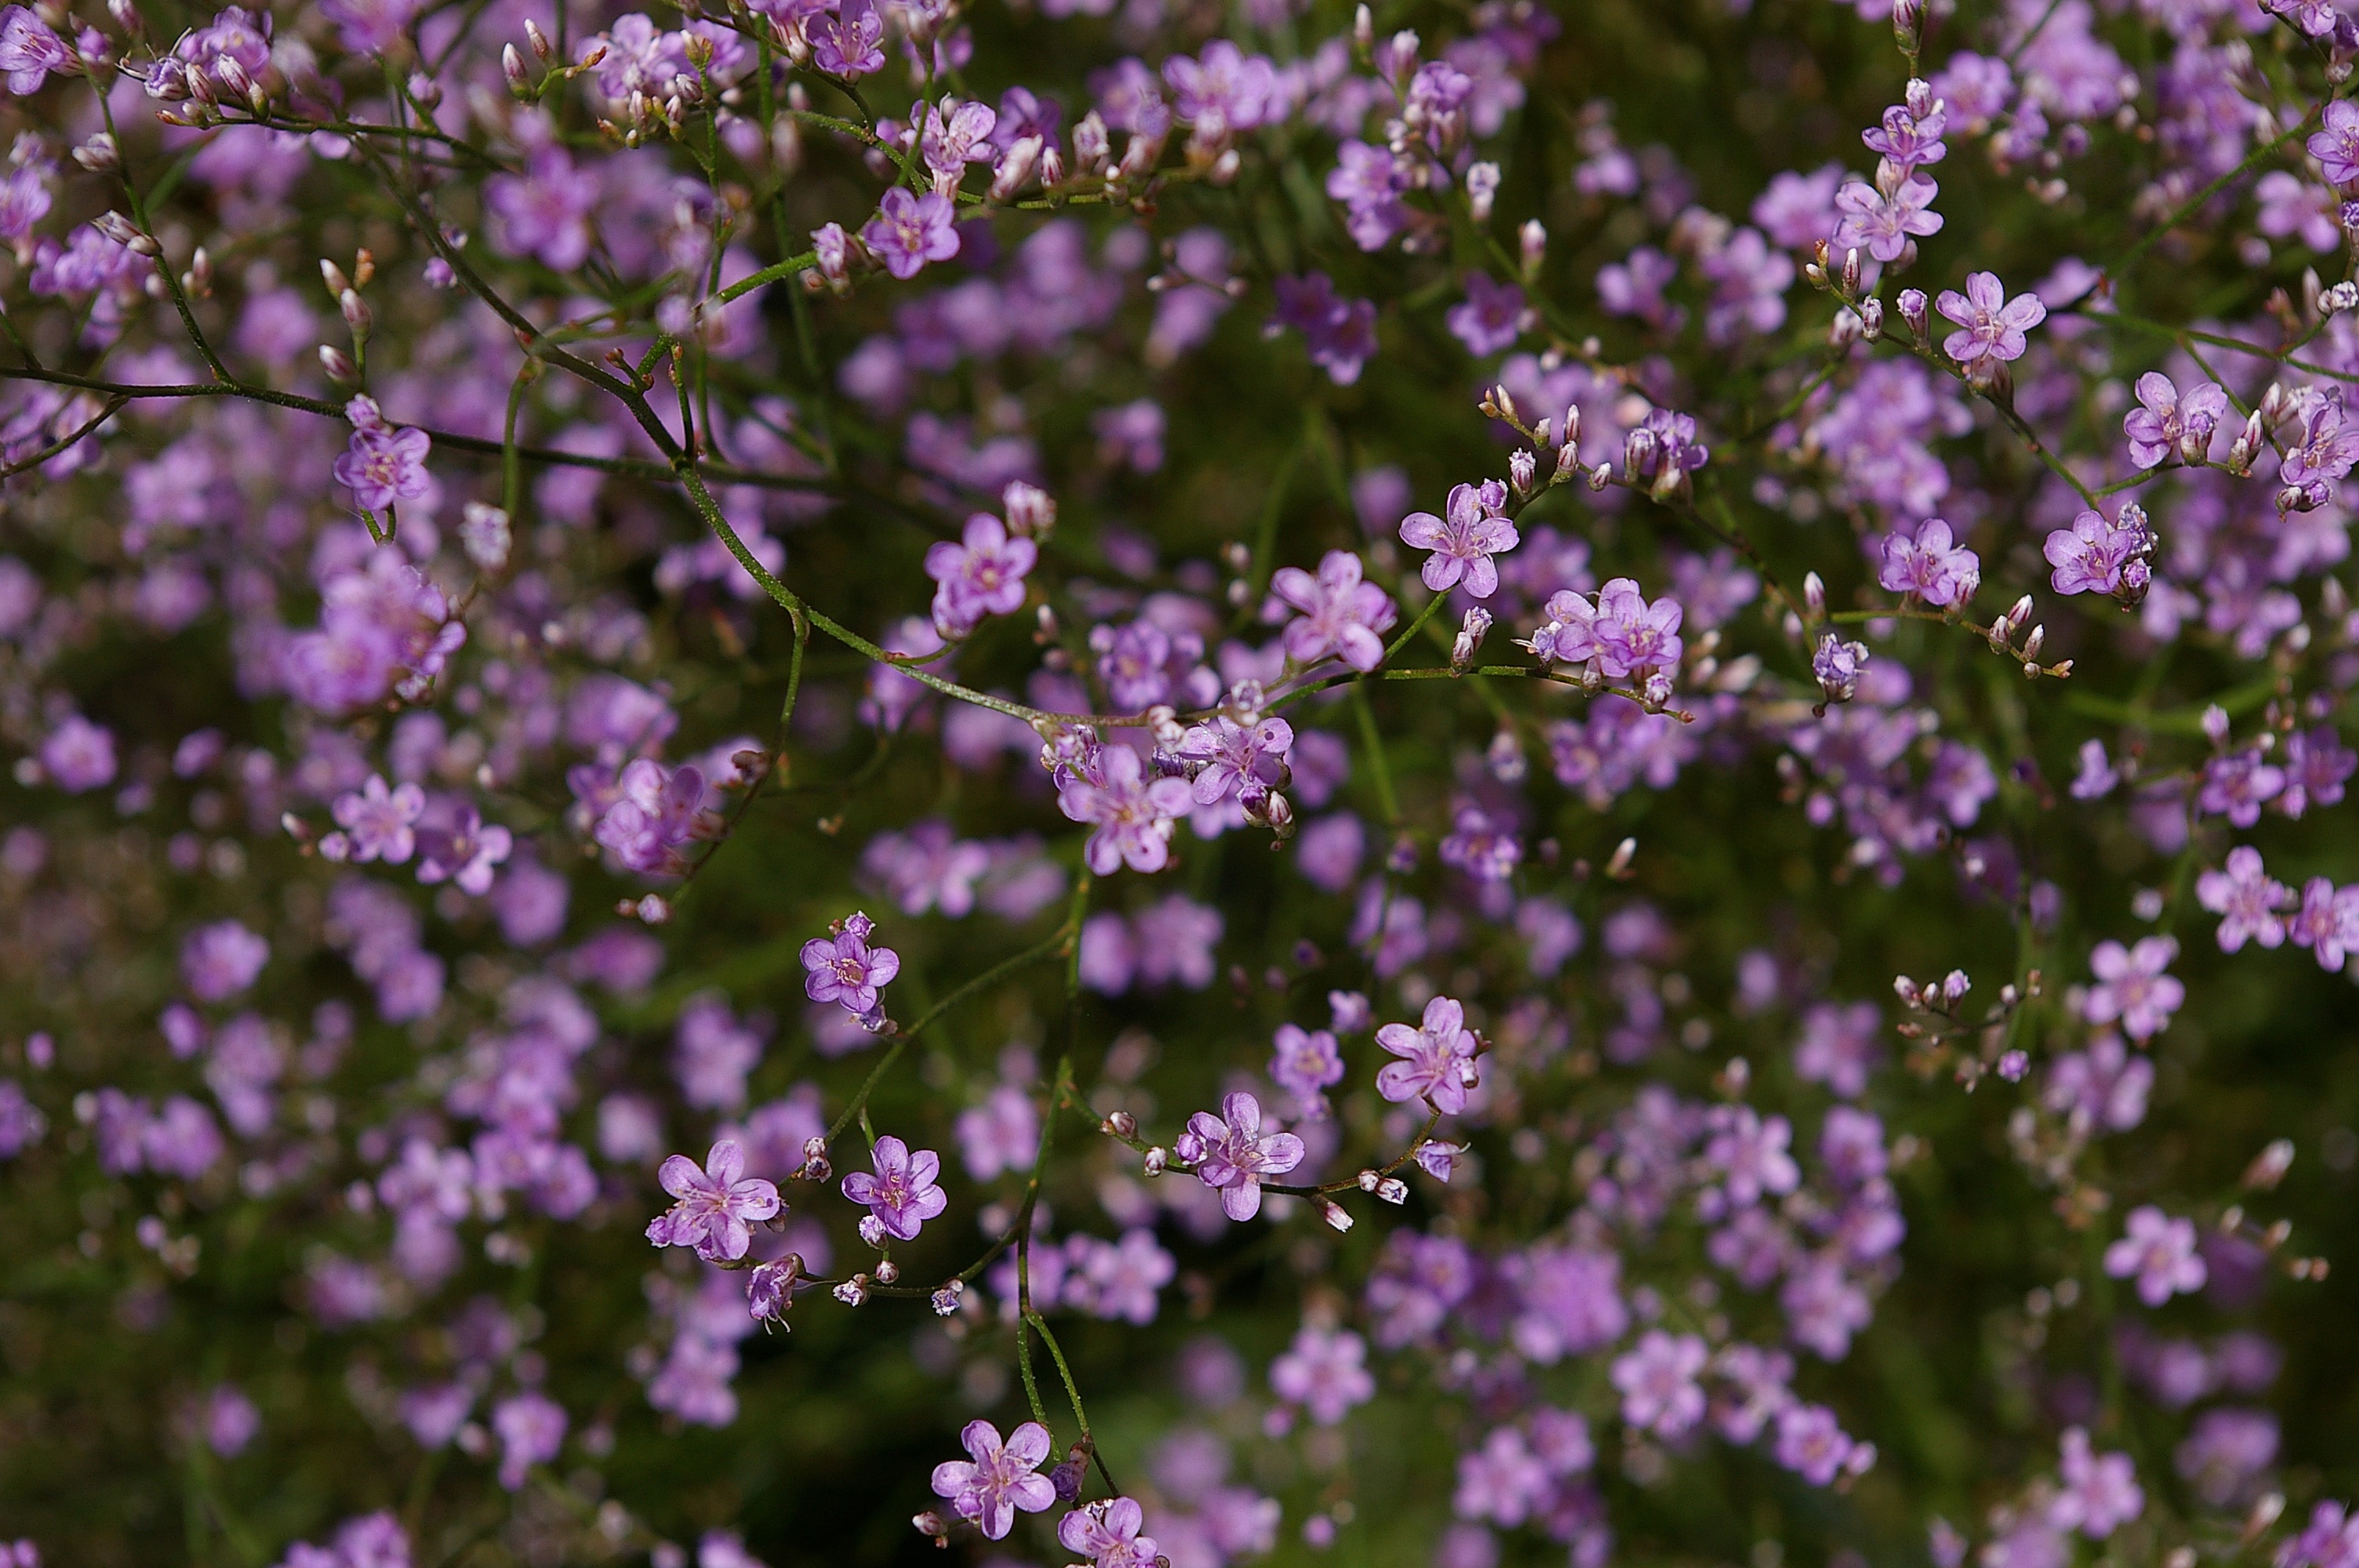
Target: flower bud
1523, 470
1532, 238
888, 1271
1850, 270
1157, 1160
1871, 319
355, 313
2269, 1166
541, 47
512, 67
1471, 630
232, 76
1909, 26
1914, 311
126, 17
945, 1301
337, 363
99, 155
2215, 724
1618, 865
1392, 1190
853, 1292
1332, 1213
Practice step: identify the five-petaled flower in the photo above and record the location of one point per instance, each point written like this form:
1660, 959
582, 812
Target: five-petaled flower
1232, 1153
2132, 987
901, 1196
997, 1478
1991, 325
844, 969
1133, 813
2160, 1251
981, 575
381, 467
1476, 529
1437, 1058
909, 230
715, 1204
1930, 565
1340, 615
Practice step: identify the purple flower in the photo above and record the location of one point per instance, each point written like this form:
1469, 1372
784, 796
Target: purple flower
1369, 182
2336, 145
1437, 1058
466, 852
2098, 555
2101, 1492
1339, 335
2247, 898
29, 51
79, 755
1477, 529
1494, 314
909, 230
656, 810
983, 575
2161, 1253
1326, 1373
1812, 1444
2170, 420
901, 1195
380, 823
1133, 814
1836, 666
847, 43
2132, 987
1233, 759
1501, 1481
1838, 1048
1107, 1534
844, 969
1658, 1381
1231, 1153
531, 1429
1992, 325
996, 1480
2316, 767
221, 959
2327, 922
545, 211
1881, 224
2329, 446
1634, 637
1003, 1133
1340, 615
715, 1204
1906, 140
956, 135
1304, 1064
2239, 785
1930, 566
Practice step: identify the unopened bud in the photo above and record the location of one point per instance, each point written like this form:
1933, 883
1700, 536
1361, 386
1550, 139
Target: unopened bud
541, 47
1814, 595
1914, 311
1618, 865
1121, 1124
1157, 1159
1333, 1214
337, 363
854, 1291
512, 67
1532, 238
355, 313
2269, 1166
1850, 270
99, 155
